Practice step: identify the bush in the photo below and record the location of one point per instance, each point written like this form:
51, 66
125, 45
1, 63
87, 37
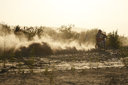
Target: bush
113, 40
67, 33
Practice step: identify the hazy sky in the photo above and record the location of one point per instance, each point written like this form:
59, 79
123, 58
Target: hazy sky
104, 14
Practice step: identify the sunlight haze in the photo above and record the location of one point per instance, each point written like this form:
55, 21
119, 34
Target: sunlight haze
108, 15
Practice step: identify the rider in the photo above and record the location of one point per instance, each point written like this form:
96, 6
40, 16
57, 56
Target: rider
100, 39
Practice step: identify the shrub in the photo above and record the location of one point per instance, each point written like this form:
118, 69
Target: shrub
46, 72
113, 40
66, 32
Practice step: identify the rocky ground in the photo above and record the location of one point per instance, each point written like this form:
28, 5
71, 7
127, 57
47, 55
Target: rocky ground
107, 76
78, 68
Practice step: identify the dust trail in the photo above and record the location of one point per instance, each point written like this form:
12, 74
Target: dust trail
39, 41
34, 49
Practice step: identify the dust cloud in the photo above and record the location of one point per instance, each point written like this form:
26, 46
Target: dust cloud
40, 41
